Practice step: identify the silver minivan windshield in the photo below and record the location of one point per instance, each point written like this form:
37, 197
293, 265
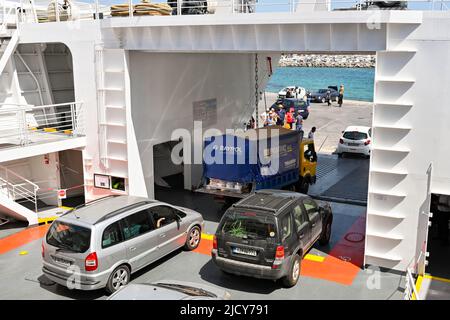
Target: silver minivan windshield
69, 237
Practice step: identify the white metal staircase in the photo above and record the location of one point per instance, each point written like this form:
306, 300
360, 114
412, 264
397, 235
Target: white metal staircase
111, 110
15, 189
9, 36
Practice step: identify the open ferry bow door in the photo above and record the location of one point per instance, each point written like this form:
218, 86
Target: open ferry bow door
71, 177
423, 228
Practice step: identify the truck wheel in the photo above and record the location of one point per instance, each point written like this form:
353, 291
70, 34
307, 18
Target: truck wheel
303, 186
293, 275
326, 236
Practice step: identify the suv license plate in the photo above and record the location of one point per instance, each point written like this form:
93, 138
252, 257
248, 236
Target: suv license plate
247, 252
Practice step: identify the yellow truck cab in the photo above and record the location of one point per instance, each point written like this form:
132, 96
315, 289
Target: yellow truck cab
308, 165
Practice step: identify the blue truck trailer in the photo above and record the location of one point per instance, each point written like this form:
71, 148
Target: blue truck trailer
264, 158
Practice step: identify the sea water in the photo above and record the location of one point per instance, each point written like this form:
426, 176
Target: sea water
358, 82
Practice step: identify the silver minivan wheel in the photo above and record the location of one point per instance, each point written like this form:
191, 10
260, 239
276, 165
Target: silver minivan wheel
193, 238
119, 278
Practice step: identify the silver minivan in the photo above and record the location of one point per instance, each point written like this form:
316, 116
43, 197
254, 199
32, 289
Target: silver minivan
100, 244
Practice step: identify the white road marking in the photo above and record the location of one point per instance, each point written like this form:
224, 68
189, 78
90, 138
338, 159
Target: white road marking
327, 124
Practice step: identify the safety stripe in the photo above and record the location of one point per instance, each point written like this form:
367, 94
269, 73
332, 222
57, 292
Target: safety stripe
428, 276
207, 236
46, 220
418, 286
49, 220
313, 257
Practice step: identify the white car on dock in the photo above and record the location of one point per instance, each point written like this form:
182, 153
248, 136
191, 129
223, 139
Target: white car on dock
355, 139
282, 92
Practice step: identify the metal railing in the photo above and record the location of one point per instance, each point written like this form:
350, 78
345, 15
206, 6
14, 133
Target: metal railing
410, 286
30, 11
410, 292
195, 7
7, 14
24, 124
17, 187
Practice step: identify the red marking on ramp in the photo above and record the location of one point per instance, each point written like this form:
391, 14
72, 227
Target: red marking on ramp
21, 238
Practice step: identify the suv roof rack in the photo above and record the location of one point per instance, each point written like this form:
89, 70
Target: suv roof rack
89, 203
267, 192
248, 206
122, 210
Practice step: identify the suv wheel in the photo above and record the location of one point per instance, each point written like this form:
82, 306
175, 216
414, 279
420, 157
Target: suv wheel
294, 272
193, 238
325, 239
118, 278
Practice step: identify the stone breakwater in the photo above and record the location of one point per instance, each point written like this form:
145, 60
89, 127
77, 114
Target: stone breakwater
322, 60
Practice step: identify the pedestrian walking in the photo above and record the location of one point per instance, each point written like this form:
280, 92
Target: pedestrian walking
341, 95
281, 112
290, 118
299, 122
328, 97
311, 133
274, 120
250, 124
264, 117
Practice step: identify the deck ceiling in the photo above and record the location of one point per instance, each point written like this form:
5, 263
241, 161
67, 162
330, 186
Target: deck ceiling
354, 31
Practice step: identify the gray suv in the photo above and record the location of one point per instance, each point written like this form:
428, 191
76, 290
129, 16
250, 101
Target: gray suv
100, 244
267, 234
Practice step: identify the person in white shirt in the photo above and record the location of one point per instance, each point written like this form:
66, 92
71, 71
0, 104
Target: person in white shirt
311, 133
264, 116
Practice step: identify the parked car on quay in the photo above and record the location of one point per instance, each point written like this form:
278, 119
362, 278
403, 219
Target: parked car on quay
282, 92
297, 104
267, 234
170, 290
100, 244
355, 139
321, 94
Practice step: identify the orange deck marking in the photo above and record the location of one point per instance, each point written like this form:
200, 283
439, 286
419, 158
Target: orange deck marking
205, 246
345, 260
21, 238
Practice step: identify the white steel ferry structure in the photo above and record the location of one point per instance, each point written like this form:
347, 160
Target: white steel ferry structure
89, 101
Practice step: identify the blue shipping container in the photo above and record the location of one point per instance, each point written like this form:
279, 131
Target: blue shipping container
268, 157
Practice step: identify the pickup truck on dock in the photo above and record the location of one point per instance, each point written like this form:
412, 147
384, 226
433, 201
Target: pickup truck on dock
236, 165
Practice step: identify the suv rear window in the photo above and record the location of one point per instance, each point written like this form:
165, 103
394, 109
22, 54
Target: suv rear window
248, 225
69, 236
355, 135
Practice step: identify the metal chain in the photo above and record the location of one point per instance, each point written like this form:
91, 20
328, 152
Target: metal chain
256, 92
